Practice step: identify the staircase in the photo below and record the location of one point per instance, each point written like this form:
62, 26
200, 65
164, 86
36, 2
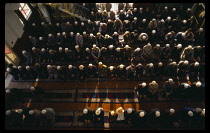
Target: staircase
75, 10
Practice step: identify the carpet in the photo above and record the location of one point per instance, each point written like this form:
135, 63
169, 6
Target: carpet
79, 121
107, 95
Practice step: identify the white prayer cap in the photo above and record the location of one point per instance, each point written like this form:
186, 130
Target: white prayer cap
160, 63
129, 110
166, 7
29, 36
101, 24
8, 112
98, 33
186, 85
153, 19
196, 63
8, 69
188, 9
186, 62
162, 20
111, 46
183, 34
67, 22
189, 46
42, 23
89, 21
40, 38
85, 111
170, 80
141, 114
27, 67
66, 49
169, 18
148, 44
70, 66
76, 22
115, 33
98, 111
190, 113
94, 46
81, 67
140, 8
121, 65
172, 110
90, 65
43, 49
91, 34
44, 111
144, 20
198, 84
203, 112
157, 113
33, 24
60, 48
200, 29
157, 45
57, 24
32, 88
167, 45
78, 34
33, 48
151, 64
100, 63
135, 18
31, 112
71, 33
48, 66
58, 67
179, 45
23, 51
121, 10
174, 63
84, 32
144, 37
126, 46
153, 31
112, 112
184, 21
144, 84
19, 111
7, 91
58, 34
111, 67
108, 20
138, 49
87, 49
117, 18
77, 46
153, 82
82, 23
174, 9
135, 9
49, 35
106, 35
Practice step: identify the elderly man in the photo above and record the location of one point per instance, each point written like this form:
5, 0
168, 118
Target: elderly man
140, 119
121, 71
142, 90
96, 53
153, 90
130, 72
127, 52
139, 70
28, 57
48, 115
82, 73
98, 115
149, 70
102, 70
129, 115
137, 55
159, 70
148, 52
168, 88
91, 71
112, 73
87, 115
187, 53
154, 118
194, 71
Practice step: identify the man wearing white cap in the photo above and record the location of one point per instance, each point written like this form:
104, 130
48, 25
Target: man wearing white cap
149, 70
30, 73
107, 40
194, 70
137, 55
96, 53
111, 52
130, 72
102, 70
182, 91
99, 40
90, 27
155, 118
127, 38
87, 55
91, 40
61, 73
59, 40
60, 55
197, 91
51, 44
121, 71
112, 72
161, 25
69, 55
143, 25
166, 52
91, 71
157, 52
187, 53
72, 40
28, 57
153, 37
168, 88
140, 119
127, 52
148, 52
82, 28
187, 116
87, 115
176, 52
98, 115
103, 28
171, 69
48, 115
58, 28
142, 90
152, 24
78, 54
13, 72
199, 37
159, 70
71, 73
181, 38
129, 115
170, 118
153, 90
34, 41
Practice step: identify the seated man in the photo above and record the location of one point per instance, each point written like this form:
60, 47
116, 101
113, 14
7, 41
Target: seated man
168, 88
102, 70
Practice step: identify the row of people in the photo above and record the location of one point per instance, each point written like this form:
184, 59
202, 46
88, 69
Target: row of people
112, 53
154, 118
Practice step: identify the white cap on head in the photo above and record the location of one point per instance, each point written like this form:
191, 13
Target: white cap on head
189, 46
121, 10
8, 69
188, 9
118, 49
111, 67
42, 23
50, 50
33, 48
198, 84
166, 7
144, 37
115, 33
144, 20
44, 111
57, 24
183, 34
89, 21
167, 45
157, 45
58, 67
144, 84
186, 85
82, 23
71, 33
97, 112
168, 18
7, 91
157, 113
77, 46
196, 63
160, 63
153, 82
185, 21
153, 31
135, 18
186, 62
91, 34
70, 66
19, 111
76, 22
148, 44
190, 113
174, 9
33, 24
100, 63
111, 46
109, 20
29, 36
81, 67
162, 20
90, 65
138, 49
43, 49
31, 112
32, 88
170, 80
126, 46
141, 8
141, 114
66, 49
23, 51
203, 112
151, 65
8, 112
200, 29
112, 112
98, 33
121, 65
67, 22
129, 110
40, 38
48, 66
78, 34
84, 32
87, 49
179, 45
172, 110
19, 67
27, 67
153, 19
85, 111
174, 63
135, 9
49, 35
60, 48
94, 46
58, 34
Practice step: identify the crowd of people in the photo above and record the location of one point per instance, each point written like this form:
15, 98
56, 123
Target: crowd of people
154, 118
